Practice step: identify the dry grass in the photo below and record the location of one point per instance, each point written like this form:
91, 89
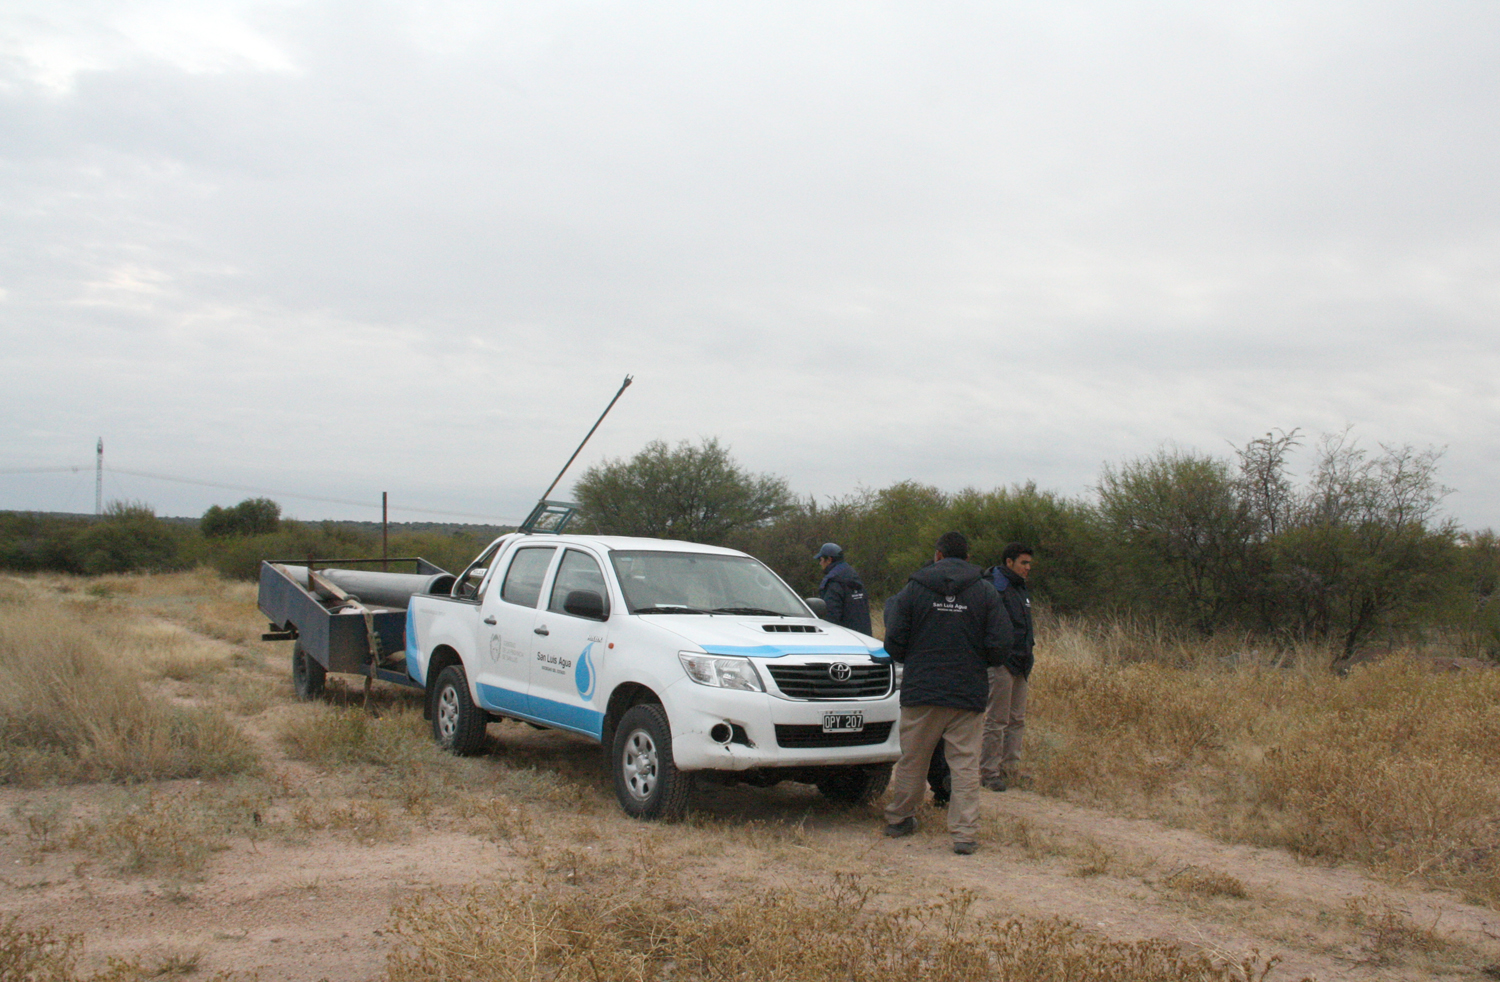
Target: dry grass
1393, 766
74, 706
621, 920
42, 955
1202, 882
335, 736
158, 834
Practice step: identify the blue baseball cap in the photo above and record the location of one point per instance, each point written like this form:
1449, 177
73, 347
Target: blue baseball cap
830, 550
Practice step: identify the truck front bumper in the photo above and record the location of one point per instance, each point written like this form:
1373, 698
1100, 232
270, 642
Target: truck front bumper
768, 731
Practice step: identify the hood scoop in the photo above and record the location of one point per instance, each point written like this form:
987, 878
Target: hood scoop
792, 628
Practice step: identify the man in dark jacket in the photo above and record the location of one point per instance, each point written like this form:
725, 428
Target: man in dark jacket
842, 591
947, 627
1005, 719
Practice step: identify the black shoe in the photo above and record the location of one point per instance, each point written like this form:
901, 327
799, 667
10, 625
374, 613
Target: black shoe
965, 848
906, 826
940, 801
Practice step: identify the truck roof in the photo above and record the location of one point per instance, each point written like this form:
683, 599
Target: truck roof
617, 543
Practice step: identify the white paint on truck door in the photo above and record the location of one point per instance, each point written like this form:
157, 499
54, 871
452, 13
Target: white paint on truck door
507, 642
565, 675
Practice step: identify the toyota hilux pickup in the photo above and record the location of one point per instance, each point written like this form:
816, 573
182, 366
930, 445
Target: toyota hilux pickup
683, 661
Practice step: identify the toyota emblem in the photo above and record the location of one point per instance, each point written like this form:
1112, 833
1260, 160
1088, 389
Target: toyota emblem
839, 672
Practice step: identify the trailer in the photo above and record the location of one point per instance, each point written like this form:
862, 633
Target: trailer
343, 619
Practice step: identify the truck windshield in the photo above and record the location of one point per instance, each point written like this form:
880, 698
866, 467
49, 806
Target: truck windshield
699, 583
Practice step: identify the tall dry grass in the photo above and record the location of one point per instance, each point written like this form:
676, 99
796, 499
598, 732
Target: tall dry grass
74, 706
1394, 766
621, 920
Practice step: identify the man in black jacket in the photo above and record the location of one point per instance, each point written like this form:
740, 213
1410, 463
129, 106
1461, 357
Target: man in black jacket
947, 627
1005, 719
842, 591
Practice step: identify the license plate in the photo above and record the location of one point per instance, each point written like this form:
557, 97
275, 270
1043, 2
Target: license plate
843, 722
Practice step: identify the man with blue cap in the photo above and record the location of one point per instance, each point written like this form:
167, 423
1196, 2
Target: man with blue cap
842, 590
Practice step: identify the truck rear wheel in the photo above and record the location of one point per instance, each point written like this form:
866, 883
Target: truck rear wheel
308, 677
854, 785
457, 724
647, 782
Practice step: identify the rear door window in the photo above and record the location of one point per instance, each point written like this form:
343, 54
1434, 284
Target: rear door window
523, 581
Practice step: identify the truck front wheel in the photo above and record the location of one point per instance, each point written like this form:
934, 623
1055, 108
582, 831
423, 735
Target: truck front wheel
457, 724
854, 785
647, 782
308, 677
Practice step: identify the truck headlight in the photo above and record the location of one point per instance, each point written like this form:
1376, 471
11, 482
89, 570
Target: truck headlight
717, 670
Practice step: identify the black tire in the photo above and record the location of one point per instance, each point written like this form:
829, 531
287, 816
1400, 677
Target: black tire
854, 785
647, 781
457, 724
308, 677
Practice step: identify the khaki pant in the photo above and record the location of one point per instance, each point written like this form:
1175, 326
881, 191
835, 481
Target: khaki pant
1004, 722
921, 729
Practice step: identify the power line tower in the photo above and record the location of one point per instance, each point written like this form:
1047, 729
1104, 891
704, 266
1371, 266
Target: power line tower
99, 480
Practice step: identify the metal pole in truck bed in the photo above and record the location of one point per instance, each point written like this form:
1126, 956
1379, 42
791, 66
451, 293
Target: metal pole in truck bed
553, 516
623, 386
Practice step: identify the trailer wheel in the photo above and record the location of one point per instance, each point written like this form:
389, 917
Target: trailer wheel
457, 724
647, 781
308, 677
854, 785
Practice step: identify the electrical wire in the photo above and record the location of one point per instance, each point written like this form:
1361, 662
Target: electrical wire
263, 491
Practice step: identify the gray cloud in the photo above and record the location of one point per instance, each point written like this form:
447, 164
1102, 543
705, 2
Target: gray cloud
343, 248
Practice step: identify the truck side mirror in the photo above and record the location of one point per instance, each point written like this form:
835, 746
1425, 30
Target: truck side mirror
585, 603
819, 608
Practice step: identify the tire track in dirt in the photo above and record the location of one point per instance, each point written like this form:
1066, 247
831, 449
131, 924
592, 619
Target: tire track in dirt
1113, 875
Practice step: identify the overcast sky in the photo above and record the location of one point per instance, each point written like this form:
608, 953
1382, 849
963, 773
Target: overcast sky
321, 250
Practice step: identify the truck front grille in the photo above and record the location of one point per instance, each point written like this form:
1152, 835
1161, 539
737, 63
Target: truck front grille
816, 681
797, 736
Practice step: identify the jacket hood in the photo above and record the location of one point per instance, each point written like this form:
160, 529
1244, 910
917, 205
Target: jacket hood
842, 572
948, 576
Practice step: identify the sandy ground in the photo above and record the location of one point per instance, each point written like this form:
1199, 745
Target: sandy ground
292, 902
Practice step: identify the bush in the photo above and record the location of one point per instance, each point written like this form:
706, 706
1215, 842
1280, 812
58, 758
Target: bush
253, 516
129, 538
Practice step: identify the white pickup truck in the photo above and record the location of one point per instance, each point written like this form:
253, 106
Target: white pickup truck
680, 659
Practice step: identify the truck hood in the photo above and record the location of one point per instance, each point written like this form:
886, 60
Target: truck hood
764, 637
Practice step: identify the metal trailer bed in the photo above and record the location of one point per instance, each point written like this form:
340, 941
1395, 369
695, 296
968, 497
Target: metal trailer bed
342, 620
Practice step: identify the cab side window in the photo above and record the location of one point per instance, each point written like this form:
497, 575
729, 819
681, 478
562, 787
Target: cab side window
523, 581
577, 571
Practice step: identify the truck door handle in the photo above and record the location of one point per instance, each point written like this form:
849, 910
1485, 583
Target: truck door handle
540, 630
490, 619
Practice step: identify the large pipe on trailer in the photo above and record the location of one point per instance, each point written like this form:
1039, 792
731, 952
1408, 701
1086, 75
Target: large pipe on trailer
380, 589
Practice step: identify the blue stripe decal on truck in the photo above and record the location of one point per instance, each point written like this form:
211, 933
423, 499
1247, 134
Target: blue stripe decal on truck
579, 719
772, 651
413, 650
499, 700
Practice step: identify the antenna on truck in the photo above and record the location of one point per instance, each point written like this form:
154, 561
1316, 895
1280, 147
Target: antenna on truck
551, 516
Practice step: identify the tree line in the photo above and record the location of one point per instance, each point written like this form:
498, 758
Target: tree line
1352, 552
1355, 552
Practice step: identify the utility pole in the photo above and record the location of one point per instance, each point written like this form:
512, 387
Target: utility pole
99, 480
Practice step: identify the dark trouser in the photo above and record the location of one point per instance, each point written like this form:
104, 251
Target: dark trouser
938, 778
